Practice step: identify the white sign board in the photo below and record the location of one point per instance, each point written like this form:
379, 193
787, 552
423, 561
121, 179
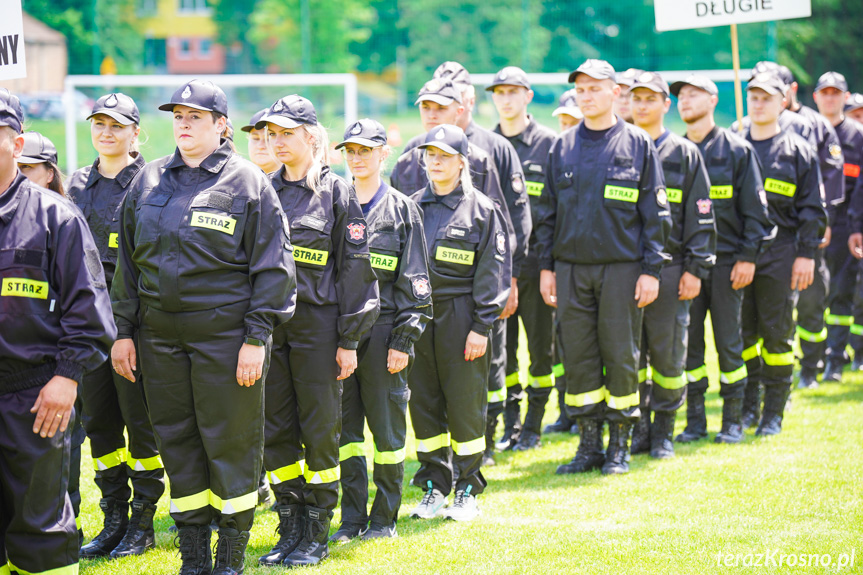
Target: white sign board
687, 14
12, 63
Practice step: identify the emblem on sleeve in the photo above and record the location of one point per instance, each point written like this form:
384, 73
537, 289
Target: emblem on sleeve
500, 243
517, 184
835, 151
704, 206
357, 231
662, 197
421, 287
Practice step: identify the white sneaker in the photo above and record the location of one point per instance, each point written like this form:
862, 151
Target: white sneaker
431, 505
464, 508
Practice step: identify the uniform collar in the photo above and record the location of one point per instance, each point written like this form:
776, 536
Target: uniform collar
583, 130
527, 136
451, 200
10, 199
125, 176
280, 182
212, 163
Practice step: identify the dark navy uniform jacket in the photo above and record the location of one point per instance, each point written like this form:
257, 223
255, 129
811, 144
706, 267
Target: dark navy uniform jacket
693, 233
100, 200
330, 238
830, 158
532, 147
468, 251
850, 134
743, 228
55, 312
792, 181
399, 258
788, 121
195, 239
605, 201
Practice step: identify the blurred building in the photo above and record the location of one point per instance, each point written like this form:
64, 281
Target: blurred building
45, 50
179, 37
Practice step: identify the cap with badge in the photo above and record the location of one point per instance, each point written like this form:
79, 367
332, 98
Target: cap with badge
439, 90
37, 149
832, 80
255, 119
784, 72
568, 105
11, 113
446, 137
627, 77
770, 82
596, 69
200, 95
696, 81
651, 81
365, 132
854, 102
509, 76
289, 112
118, 106
454, 72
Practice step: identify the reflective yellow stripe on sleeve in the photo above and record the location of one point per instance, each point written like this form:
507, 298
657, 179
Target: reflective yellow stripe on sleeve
777, 359
512, 379
471, 447
807, 335
389, 457
751, 352
432, 443
844, 320
584, 399
673, 382
325, 476
234, 504
67, 570
147, 464
287, 473
110, 460
621, 403
542, 382
190, 502
497, 395
696, 374
351, 450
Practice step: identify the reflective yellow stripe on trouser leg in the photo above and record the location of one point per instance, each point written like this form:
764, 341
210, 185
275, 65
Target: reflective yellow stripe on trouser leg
696, 374
287, 472
234, 504
110, 460
471, 447
433, 443
811, 337
351, 450
67, 570
389, 457
147, 464
751, 352
324, 476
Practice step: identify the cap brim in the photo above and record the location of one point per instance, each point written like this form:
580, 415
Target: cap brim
653, 89
440, 146
823, 86
491, 87
361, 141
281, 121
569, 111
852, 107
16, 127
125, 120
676, 87
436, 98
29, 160
248, 128
598, 76
170, 107
772, 90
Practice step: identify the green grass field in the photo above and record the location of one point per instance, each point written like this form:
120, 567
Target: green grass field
797, 493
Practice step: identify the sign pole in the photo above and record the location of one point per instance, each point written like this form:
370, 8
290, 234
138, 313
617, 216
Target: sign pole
738, 89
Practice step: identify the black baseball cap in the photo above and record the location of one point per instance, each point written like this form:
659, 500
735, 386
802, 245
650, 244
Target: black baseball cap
365, 132
118, 106
439, 90
290, 112
200, 95
651, 81
446, 137
832, 80
255, 119
454, 72
696, 81
770, 82
11, 113
854, 102
568, 105
37, 149
784, 72
627, 77
596, 69
509, 76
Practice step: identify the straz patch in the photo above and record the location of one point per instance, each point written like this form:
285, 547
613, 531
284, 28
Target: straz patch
309, 256
675, 196
112, 241
356, 232
500, 242
721, 192
224, 224
622, 194
21, 287
454, 256
421, 287
534, 188
704, 206
383, 262
779, 187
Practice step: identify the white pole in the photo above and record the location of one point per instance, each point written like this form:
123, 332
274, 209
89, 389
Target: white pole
69, 112
351, 111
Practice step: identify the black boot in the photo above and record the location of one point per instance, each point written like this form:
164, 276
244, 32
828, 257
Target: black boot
617, 454
661, 431
194, 544
313, 546
290, 532
590, 454
230, 551
808, 378
641, 433
139, 537
751, 404
563, 423
732, 429
511, 424
833, 369
696, 418
529, 438
488, 454
113, 529
774, 408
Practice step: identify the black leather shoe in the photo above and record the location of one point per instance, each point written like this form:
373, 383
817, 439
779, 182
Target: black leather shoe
113, 529
589, 455
732, 428
808, 379
771, 424
290, 530
832, 371
527, 440
376, 531
347, 531
312, 548
140, 536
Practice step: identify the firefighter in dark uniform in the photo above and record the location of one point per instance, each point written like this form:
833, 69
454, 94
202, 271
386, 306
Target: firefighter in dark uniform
511, 93
692, 246
854, 107
470, 272
604, 221
519, 222
792, 183
259, 152
742, 230
204, 275
621, 104
567, 113
831, 96
378, 389
112, 405
56, 326
337, 305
